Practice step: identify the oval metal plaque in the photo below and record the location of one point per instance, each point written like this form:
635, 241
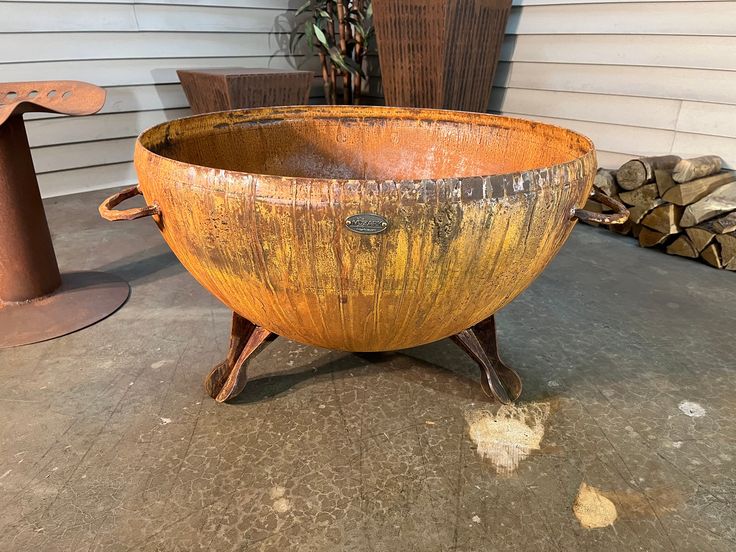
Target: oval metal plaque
366, 223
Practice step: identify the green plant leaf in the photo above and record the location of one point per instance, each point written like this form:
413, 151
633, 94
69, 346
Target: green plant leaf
337, 59
320, 36
309, 33
354, 68
304, 7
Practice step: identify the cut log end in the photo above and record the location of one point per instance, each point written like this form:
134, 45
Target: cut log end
641, 195
664, 219
728, 248
700, 237
632, 174
650, 238
637, 172
683, 247
712, 256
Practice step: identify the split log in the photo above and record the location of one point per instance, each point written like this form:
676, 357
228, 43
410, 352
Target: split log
695, 190
683, 247
637, 172
700, 237
728, 248
663, 179
664, 219
712, 255
705, 232
725, 224
723, 200
690, 169
641, 195
606, 182
637, 212
623, 229
650, 238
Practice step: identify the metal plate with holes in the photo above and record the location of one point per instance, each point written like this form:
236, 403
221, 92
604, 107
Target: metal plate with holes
366, 223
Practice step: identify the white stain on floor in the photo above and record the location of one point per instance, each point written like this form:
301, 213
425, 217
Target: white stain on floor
592, 509
692, 409
277, 492
280, 504
508, 436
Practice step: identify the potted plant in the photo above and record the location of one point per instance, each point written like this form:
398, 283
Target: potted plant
340, 32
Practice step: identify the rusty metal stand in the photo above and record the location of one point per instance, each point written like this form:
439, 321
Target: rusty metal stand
36, 301
497, 380
226, 380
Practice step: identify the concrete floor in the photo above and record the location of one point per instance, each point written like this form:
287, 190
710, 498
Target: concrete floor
108, 441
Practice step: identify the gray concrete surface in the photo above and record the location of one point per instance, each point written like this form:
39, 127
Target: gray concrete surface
108, 442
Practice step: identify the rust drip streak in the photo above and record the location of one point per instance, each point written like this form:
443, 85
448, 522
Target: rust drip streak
339, 264
471, 294
261, 266
303, 242
500, 241
381, 260
440, 268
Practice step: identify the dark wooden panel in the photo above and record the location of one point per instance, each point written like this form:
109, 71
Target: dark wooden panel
439, 53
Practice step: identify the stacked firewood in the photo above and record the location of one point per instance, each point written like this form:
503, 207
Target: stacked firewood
685, 207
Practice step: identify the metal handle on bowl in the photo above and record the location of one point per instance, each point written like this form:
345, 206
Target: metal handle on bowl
619, 216
108, 212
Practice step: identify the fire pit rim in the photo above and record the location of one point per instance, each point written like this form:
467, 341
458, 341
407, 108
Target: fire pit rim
417, 114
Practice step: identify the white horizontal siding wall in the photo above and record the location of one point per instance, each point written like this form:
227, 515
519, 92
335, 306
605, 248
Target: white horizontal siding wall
639, 78
133, 49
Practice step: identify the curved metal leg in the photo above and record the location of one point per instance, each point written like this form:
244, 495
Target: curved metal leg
497, 380
226, 380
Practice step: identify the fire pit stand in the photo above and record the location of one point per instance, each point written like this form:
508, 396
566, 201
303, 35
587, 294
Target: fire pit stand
36, 301
226, 380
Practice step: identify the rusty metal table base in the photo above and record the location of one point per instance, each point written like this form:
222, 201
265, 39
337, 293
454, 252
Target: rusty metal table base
228, 379
36, 301
82, 299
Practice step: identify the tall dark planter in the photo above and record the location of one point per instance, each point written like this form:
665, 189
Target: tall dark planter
439, 53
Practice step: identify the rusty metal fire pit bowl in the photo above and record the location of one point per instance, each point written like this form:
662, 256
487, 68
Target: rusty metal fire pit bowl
363, 229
